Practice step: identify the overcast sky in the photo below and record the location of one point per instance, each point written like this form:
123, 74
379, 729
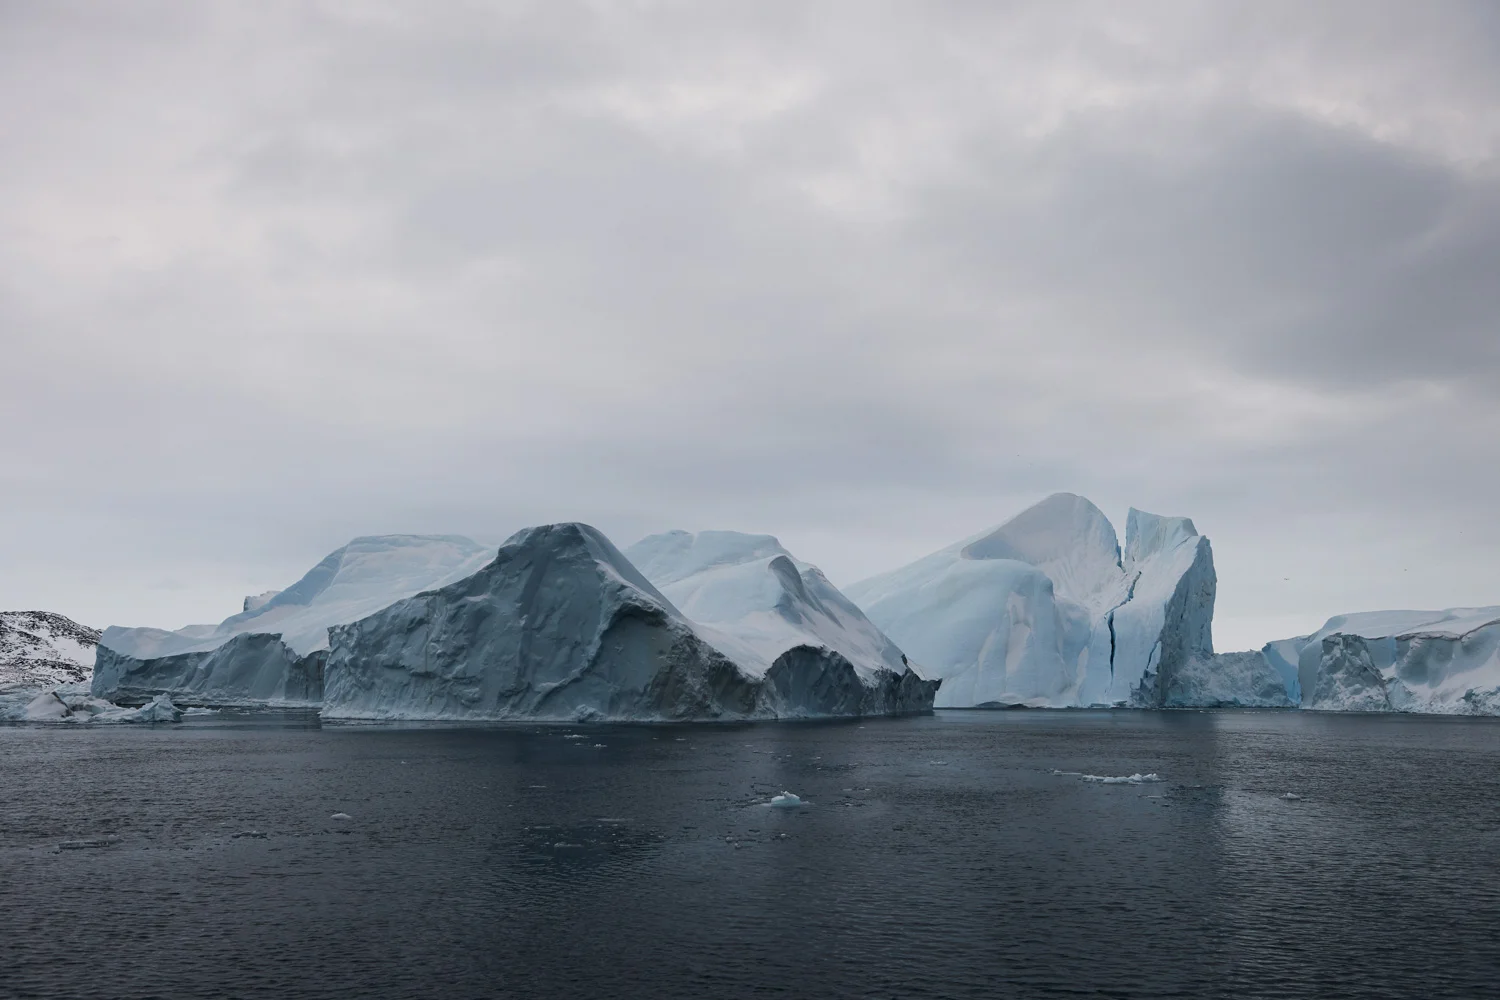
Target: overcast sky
870, 277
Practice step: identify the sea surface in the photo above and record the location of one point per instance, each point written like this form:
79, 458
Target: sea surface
963, 854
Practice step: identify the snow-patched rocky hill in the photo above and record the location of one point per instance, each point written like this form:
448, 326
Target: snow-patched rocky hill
1046, 611
40, 649
272, 652
562, 625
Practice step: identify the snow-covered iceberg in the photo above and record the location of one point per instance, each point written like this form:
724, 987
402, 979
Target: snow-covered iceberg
1045, 610
562, 625
781, 619
1445, 662
273, 651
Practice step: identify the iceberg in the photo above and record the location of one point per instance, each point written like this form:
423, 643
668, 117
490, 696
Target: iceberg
1046, 610
1444, 662
252, 668
781, 619
273, 651
1441, 662
562, 625
70, 703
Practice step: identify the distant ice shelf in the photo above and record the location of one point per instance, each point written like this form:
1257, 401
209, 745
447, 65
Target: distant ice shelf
1444, 662
273, 651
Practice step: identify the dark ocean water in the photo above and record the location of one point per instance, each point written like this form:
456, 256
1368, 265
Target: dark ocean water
937, 857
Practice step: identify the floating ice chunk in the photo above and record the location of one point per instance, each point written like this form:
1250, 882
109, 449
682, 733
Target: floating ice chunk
1129, 779
159, 709
88, 843
1290, 797
46, 707
786, 800
1104, 779
341, 816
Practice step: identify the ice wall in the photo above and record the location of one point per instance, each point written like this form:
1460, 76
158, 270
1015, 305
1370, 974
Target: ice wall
1404, 661
1045, 610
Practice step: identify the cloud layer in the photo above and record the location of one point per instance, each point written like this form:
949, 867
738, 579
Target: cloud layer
871, 277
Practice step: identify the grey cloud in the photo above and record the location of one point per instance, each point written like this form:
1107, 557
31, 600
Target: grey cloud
870, 277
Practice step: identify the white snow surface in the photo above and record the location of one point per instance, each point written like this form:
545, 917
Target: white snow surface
370, 573
754, 600
41, 649
1046, 611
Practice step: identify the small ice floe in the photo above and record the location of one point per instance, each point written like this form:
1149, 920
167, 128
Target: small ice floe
1290, 797
1105, 779
159, 709
199, 710
341, 816
88, 843
786, 800
598, 746
574, 736
1128, 779
938, 763
254, 834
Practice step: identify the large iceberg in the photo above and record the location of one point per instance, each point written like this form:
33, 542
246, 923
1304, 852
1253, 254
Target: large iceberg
273, 651
781, 619
561, 625
1445, 662
1046, 610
